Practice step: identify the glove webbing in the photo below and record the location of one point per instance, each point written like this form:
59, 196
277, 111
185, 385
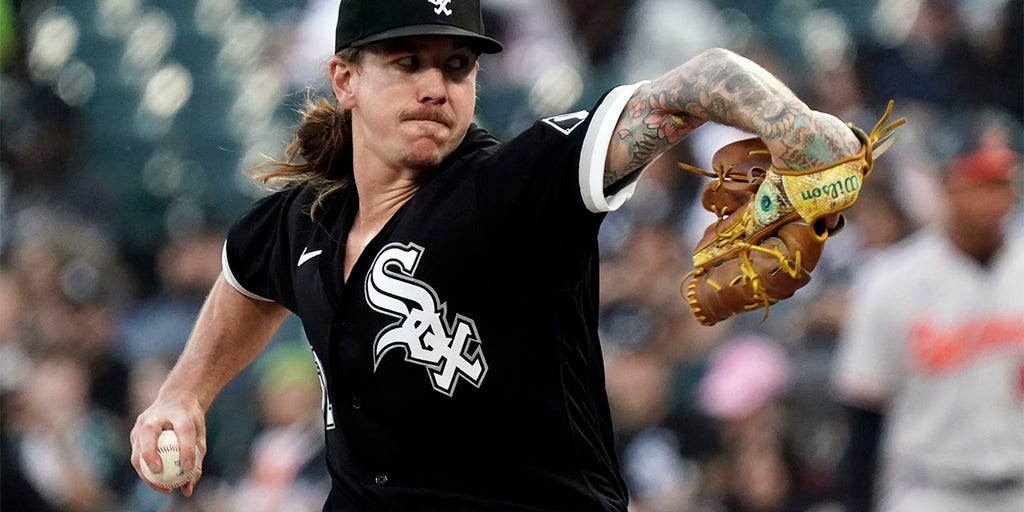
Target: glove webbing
748, 276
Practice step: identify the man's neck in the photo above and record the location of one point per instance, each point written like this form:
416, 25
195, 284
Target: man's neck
979, 248
378, 208
383, 185
379, 200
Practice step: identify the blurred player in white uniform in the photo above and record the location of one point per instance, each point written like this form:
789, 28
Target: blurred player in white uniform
931, 358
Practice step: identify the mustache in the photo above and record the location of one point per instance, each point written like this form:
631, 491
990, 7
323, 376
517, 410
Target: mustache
437, 116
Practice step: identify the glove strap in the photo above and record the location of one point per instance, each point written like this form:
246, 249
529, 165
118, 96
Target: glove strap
832, 188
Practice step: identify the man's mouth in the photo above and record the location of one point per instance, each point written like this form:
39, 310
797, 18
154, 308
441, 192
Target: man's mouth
428, 115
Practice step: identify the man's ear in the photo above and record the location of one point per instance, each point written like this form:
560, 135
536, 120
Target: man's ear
341, 82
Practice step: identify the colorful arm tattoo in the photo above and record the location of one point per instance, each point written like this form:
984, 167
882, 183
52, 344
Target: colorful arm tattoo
724, 88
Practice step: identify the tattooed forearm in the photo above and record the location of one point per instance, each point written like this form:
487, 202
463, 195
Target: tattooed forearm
648, 128
724, 88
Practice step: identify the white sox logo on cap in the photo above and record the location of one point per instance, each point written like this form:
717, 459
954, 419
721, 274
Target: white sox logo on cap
363, 22
441, 7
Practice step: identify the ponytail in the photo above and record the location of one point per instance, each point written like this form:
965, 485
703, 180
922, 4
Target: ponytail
320, 154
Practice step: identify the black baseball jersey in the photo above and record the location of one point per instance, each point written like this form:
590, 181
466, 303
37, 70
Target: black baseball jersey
460, 361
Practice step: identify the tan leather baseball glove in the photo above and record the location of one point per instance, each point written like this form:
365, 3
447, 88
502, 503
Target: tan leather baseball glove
772, 224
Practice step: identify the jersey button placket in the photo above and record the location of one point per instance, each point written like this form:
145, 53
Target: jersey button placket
356, 402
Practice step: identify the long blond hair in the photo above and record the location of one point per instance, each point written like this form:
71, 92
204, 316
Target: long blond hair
320, 153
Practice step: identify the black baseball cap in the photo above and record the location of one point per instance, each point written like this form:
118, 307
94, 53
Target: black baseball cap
361, 22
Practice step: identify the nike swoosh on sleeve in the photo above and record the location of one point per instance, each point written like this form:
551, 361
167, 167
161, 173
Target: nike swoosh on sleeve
306, 256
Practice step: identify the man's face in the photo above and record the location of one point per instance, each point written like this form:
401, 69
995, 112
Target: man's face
412, 99
980, 208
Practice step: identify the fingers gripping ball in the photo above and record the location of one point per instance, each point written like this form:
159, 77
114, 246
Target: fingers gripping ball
772, 224
172, 476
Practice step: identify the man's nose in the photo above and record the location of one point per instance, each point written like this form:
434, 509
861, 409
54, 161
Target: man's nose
433, 86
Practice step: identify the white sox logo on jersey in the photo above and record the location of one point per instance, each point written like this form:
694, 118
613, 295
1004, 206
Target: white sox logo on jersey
447, 351
441, 7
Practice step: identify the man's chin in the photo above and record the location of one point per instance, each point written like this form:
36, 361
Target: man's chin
428, 152
425, 159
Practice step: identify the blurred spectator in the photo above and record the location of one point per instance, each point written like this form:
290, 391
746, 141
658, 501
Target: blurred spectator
1001, 59
876, 221
934, 63
14, 360
638, 274
64, 391
70, 450
743, 389
932, 355
39, 139
812, 320
541, 72
652, 42
663, 445
73, 285
15, 370
307, 50
186, 268
285, 471
598, 27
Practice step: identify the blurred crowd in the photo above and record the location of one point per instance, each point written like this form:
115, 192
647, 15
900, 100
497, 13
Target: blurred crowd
111, 228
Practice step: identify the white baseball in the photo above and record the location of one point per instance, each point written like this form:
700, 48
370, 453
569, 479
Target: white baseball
172, 475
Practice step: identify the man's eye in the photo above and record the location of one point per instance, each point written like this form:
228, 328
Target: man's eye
408, 62
458, 62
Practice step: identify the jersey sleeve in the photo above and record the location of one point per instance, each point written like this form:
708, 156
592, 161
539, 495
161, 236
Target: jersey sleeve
868, 358
557, 165
255, 256
595, 152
